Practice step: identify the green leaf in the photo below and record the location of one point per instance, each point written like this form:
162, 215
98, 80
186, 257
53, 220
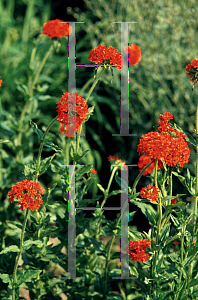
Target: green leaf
115, 255
193, 282
144, 207
27, 276
183, 181
101, 188
165, 230
189, 138
45, 163
12, 248
82, 170
53, 146
113, 193
91, 109
171, 207
164, 163
133, 271
6, 279
131, 215
29, 170
22, 88
36, 130
167, 198
122, 183
78, 157
28, 244
4, 141
135, 234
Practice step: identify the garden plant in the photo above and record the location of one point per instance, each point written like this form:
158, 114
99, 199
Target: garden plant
162, 263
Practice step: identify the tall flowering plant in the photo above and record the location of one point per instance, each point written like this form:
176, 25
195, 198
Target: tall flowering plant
162, 262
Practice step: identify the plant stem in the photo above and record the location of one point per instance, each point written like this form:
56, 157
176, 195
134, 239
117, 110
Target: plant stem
159, 210
108, 257
138, 178
97, 77
41, 147
182, 259
19, 254
105, 198
196, 197
31, 94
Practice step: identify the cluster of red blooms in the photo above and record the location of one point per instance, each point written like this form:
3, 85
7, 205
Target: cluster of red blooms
93, 171
106, 55
1, 81
64, 110
115, 160
136, 250
150, 192
28, 193
192, 70
173, 149
111, 56
56, 28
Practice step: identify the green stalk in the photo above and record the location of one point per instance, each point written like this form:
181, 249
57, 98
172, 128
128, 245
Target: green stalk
167, 213
108, 256
196, 197
138, 178
105, 198
19, 255
41, 146
97, 77
30, 95
159, 210
182, 260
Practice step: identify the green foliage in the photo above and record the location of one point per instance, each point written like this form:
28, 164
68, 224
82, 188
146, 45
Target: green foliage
166, 33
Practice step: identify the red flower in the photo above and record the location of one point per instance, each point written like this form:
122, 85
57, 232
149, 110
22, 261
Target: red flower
107, 56
192, 71
27, 192
144, 161
150, 192
176, 243
115, 160
194, 242
134, 54
93, 171
55, 28
62, 109
136, 250
173, 201
169, 144
1, 81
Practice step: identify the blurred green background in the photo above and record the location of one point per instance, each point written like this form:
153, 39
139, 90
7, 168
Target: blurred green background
166, 32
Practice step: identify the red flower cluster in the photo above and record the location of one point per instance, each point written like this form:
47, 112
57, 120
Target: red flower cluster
27, 192
1, 81
64, 111
93, 171
192, 70
136, 250
144, 161
150, 192
55, 28
134, 54
169, 144
107, 56
115, 160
